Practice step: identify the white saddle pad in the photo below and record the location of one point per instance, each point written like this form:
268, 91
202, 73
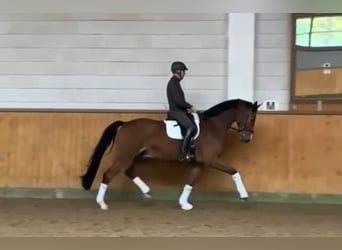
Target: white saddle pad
173, 129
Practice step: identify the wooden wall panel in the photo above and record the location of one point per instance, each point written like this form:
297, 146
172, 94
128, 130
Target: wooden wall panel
289, 153
315, 82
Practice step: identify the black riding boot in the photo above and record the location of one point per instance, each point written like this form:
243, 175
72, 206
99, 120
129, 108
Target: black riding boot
185, 145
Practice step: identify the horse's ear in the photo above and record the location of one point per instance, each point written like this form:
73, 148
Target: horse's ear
256, 105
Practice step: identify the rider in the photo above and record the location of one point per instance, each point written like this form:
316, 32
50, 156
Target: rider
179, 108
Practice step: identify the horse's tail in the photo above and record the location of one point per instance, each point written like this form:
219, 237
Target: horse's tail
107, 137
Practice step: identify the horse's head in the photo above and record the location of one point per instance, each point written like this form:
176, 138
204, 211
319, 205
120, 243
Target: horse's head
246, 120
242, 112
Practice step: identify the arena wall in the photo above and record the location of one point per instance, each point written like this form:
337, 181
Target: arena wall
91, 62
290, 153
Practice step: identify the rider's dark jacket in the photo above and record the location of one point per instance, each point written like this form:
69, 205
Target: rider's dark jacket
175, 96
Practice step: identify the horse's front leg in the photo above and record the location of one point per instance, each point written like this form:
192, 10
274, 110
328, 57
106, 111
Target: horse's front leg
183, 198
237, 179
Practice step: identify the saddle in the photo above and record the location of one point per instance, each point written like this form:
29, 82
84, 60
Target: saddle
175, 131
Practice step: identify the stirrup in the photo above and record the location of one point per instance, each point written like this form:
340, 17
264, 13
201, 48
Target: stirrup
182, 157
187, 157
190, 156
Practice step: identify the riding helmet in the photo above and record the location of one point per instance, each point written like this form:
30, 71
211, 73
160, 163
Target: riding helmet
178, 66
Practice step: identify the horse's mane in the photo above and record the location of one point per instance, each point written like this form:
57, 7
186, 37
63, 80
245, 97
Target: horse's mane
225, 105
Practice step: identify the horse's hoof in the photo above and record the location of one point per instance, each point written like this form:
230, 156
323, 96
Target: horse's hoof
146, 197
103, 206
186, 206
244, 199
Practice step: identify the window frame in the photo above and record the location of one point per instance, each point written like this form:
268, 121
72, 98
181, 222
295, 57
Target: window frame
295, 100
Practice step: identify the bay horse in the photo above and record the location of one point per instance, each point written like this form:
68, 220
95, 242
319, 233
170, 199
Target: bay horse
145, 137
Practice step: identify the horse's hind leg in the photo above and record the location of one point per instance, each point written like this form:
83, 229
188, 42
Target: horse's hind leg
143, 187
108, 175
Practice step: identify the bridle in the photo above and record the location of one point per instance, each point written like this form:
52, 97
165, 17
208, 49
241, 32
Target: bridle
238, 130
242, 129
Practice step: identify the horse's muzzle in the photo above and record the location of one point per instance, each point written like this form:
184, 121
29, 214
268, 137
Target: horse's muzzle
246, 137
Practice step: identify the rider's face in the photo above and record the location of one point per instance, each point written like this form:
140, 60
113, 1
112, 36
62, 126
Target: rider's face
180, 74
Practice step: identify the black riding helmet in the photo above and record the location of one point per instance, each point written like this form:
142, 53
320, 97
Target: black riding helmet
178, 66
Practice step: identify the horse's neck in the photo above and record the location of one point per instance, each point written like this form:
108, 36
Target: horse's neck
225, 119
228, 117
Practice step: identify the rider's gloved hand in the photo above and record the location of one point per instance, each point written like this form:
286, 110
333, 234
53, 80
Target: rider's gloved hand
193, 109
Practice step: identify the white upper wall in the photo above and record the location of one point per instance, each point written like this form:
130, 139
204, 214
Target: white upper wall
272, 58
117, 61
121, 61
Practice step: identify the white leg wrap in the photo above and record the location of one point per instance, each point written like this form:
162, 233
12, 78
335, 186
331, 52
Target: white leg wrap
183, 198
239, 185
141, 185
100, 196
101, 193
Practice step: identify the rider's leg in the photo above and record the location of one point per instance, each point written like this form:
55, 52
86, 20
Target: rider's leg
189, 127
